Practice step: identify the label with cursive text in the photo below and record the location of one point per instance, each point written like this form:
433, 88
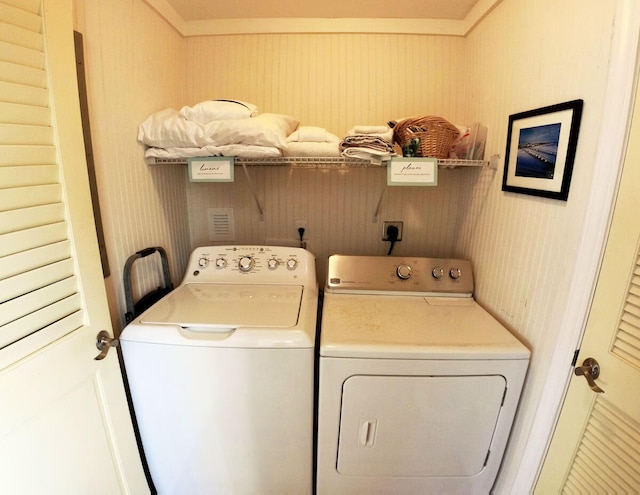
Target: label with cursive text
412, 172
211, 169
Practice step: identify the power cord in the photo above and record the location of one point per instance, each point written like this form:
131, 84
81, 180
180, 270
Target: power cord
301, 234
392, 237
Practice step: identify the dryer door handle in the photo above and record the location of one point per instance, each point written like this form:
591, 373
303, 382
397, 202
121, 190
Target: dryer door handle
367, 432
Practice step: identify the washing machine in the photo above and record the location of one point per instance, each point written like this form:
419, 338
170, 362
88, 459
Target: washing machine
221, 374
418, 385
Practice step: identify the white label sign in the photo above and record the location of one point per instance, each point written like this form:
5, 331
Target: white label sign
211, 169
412, 172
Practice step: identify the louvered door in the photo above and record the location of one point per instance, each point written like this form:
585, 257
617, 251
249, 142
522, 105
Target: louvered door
64, 421
596, 445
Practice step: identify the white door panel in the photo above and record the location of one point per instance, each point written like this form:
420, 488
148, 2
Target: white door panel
596, 443
63, 431
65, 426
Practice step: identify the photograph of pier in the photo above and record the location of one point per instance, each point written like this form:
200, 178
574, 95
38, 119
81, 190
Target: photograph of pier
537, 151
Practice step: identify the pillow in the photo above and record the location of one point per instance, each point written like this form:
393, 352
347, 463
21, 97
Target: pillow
207, 111
265, 129
169, 129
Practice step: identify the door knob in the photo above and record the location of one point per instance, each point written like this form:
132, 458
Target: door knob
104, 342
590, 369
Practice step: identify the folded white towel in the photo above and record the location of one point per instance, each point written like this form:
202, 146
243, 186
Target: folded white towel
382, 131
370, 129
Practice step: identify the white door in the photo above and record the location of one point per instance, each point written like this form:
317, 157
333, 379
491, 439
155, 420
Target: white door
65, 426
596, 445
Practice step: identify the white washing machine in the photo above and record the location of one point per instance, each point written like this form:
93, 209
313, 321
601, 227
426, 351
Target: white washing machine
418, 384
221, 373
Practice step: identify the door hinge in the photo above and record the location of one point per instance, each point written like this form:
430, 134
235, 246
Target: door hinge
575, 358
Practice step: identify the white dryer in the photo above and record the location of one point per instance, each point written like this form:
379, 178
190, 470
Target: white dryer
221, 373
418, 384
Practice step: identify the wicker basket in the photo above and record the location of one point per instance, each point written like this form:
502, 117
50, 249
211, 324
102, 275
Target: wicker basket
436, 135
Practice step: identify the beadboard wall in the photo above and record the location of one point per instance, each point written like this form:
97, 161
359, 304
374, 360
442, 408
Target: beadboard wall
524, 247
134, 64
333, 81
339, 207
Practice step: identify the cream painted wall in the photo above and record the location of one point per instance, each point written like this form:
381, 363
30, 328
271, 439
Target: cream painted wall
331, 80
523, 55
334, 81
134, 63
526, 55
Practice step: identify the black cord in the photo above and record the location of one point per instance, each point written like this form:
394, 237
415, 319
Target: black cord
392, 237
391, 247
301, 234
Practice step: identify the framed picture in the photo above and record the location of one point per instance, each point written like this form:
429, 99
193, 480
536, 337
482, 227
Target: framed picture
541, 148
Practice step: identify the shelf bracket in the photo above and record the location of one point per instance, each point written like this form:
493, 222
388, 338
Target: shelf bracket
253, 192
379, 206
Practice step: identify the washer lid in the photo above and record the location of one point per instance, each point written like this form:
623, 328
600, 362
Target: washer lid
211, 306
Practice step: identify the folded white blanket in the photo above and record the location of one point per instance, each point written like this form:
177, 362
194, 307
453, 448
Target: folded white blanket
310, 149
169, 129
312, 134
374, 156
238, 150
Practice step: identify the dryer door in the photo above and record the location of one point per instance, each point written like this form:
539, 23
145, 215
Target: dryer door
418, 426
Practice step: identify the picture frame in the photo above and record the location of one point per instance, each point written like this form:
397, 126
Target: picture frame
211, 168
541, 149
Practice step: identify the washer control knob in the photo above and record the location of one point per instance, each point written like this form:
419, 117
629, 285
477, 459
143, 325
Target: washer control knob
292, 264
437, 272
403, 272
246, 263
273, 263
203, 262
221, 263
455, 273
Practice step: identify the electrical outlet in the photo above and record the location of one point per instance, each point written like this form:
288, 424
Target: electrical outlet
302, 224
389, 223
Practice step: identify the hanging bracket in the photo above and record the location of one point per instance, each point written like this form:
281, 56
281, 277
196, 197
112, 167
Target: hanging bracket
253, 192
376, 214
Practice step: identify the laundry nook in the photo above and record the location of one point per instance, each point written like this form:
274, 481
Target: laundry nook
319, 248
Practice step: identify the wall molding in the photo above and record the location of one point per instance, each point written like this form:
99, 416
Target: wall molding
281, 25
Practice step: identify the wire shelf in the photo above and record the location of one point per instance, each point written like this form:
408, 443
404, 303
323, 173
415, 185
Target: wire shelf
317, 162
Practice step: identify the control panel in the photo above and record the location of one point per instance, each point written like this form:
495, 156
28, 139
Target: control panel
429, 276
250, 264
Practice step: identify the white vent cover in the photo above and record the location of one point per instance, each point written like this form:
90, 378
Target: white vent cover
221, 224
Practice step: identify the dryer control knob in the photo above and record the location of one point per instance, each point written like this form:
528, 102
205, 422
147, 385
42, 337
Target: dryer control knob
403, 272
221, 263
246, 263
437, 272
455, 273
203, 262
292, 264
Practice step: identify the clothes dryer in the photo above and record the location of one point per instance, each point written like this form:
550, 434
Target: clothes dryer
221, 373
418, 385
